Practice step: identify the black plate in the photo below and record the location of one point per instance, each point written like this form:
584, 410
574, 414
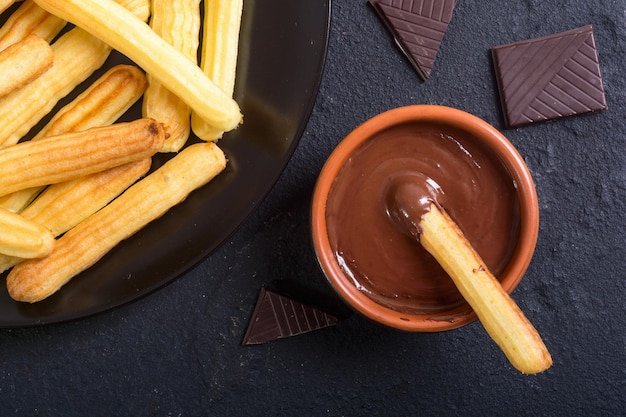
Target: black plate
282, 51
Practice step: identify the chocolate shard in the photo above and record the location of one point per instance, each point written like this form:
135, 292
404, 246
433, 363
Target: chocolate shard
549, 77
418, 28
277, 316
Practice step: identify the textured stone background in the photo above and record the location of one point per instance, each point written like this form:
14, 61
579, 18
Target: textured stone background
177, 352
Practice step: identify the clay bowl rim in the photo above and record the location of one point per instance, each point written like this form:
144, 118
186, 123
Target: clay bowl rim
494, 139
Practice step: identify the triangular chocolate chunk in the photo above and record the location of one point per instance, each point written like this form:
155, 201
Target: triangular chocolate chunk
549, 77
277, 316
418, 27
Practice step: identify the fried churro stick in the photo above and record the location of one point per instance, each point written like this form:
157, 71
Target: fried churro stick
17, 201
22, 237
29, 19
101, 104
140, 8
5, 4
220, 46
77, 55
90, 240
73, 155
122, 30
178, 23
23, 62
62, 206
501, 317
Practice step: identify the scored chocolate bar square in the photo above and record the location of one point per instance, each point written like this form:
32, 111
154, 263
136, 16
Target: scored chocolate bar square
418, 27
549, 77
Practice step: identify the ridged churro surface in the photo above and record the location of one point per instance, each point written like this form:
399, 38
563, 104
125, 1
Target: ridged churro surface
73, 155
142, 203
110, 22
23, 62
22, 237
178, 23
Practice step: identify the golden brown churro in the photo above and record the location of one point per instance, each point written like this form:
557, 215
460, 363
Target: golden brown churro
5, 4
500, 316
23, 62
119, 28
220, 46
73, 155
178, 23
101, 104
29, 19
62, 206
77, 55
89, 167
143, 202
22, 237
17, 201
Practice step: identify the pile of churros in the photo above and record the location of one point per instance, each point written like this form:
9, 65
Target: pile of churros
83, 183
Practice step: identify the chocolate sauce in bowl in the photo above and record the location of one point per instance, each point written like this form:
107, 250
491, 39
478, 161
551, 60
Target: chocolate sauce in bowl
446, 165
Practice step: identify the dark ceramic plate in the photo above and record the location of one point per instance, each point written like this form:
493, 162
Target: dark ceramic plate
282, 51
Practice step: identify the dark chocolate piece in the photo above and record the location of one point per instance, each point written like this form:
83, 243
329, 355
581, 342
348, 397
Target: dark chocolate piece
549, 77
418, 27
277, 316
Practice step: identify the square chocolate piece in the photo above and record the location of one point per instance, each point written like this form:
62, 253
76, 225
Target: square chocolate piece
418, 27
549, 77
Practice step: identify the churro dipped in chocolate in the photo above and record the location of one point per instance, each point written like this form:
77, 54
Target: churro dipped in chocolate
412, 205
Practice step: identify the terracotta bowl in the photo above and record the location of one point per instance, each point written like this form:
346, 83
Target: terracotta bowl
435, 320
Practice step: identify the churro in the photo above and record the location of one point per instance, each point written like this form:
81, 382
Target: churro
123, 31
145, 201
5, 4
178, 23
220, 46
500, 316
29, 19
17, 201
101, 104
22, 237
77, 55
73, 155
23, 62
62, 206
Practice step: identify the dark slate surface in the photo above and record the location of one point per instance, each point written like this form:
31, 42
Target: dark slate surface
178, 352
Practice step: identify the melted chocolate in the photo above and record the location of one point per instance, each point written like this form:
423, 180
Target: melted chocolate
460, 174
